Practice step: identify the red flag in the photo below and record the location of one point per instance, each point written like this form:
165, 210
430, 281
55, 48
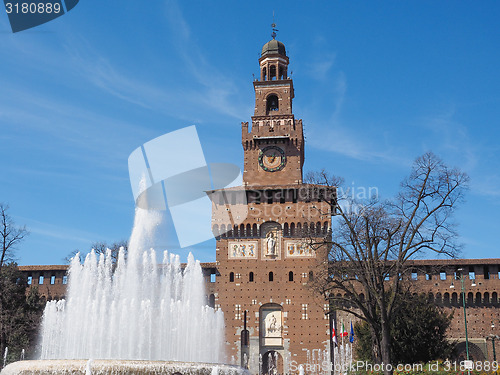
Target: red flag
334, 336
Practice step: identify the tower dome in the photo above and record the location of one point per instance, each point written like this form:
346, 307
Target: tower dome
273, 47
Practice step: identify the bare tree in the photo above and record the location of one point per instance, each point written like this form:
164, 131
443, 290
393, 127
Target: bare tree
10, 235
100, 247
372, 242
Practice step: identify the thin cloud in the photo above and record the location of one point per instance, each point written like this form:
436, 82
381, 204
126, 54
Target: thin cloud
333, 134
220, 91
449, 137
53, 231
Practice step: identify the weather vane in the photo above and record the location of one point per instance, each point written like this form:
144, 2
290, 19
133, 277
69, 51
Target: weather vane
273, 25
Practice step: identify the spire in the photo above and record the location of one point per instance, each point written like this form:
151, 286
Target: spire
274, 29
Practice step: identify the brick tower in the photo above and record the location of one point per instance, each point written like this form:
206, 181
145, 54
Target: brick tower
264, 260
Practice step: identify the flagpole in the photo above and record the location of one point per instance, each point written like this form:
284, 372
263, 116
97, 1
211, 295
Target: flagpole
352, 341
343, 347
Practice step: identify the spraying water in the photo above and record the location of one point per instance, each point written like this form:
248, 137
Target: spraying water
5, 353
134, 309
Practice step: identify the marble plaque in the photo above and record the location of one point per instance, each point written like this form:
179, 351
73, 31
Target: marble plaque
242, 250
298, 249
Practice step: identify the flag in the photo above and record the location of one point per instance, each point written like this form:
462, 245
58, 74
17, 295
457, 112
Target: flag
334, 336
343, 332
351, 336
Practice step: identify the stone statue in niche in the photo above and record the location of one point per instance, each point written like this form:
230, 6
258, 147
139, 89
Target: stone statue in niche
273, 327
271, 244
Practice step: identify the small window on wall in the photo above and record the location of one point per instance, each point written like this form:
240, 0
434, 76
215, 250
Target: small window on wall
414, 276
290, 276
231, 277
304, 311
65, 279
442, 275
212, 277
271, 276
40, 280
30, 280
250, 277
52, 280
486, 272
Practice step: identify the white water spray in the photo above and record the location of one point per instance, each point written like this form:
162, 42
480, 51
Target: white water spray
134, 309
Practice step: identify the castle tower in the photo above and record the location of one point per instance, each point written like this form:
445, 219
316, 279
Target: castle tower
265, 263
276, 140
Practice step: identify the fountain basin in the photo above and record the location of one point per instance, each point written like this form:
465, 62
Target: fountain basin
118, 367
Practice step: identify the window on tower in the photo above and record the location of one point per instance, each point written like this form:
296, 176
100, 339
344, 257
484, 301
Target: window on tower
272, 103
272, 73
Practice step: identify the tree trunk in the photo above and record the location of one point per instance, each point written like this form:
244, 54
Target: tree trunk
376, 358
386, 346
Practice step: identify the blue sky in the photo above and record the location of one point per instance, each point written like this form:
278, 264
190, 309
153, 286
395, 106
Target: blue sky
376, 84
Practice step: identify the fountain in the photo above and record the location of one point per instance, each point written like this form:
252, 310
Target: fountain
128, 316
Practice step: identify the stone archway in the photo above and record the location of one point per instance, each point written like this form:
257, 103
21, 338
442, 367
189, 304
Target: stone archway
475, 352
272, 363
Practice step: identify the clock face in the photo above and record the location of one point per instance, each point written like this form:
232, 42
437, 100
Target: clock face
272, 159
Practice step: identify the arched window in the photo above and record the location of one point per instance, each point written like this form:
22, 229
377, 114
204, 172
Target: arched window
494, 298
231, 277
286, 230
470, 298
486, 298
272, 103
264, 74
446, 299
439, 299
211, 300
271, 276
250, 277
290, 276
311, 275
479, 300
249, 230
223, 231
272, 72
215, 230
454, 299
292, 229
254, 230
